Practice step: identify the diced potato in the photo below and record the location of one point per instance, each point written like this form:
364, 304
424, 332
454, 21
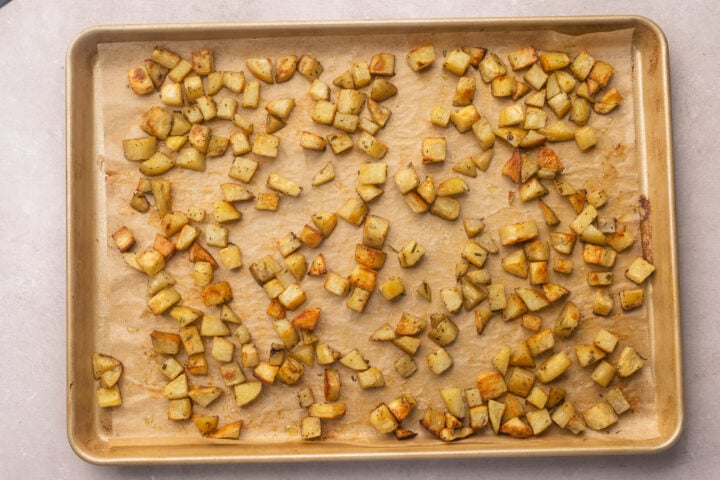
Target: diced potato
558, 131
204, 395
246, 392
518, 233
465, 118
503, 86
639, 270
371, 145
382, 64
446, 208
327, 410
567, 321
603, 374
251, 95
421, 58
553, 367
371, 378
452, 186
511, 115
109, 397
541, 342
457, 62
381, 90
383, 420
629, 362
439, 361
163, 300
520, 356
405, 366
617, 401
536, 77
491, 67
554, 61
520, 381
491, 385
392, 288
522, 58
600, 416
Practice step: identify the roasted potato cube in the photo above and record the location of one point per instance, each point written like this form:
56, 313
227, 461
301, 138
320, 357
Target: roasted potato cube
266, 372
207, 107
553, 367
392, 288
181, 70
247, 392
310, 428
452, 186
354, 360
598, 255
491, 67
520, 381
443, 330
165, 343
215, 82
600, 416
382, 64
522, 58
136, 149
163, 300
629, 362
109, 397
439, 361
639, 270
491, 385
165, 57
371, 378
267, 201
371, 145
446, 208
567, 321
204, 395
177, 388
554, 61
585, 137
518, 233
617, 401
290, 371
503, 86
511, 115
603, 374
536, 77
485, 137
261, 68
358, 299
405, 366
588, 354
440, 116
421, 58
283, 185
465, 118
381, 90
309, 67
251, 95
383, 420
327, 410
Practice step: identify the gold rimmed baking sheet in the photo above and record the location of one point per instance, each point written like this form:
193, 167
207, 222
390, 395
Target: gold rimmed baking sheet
106, 299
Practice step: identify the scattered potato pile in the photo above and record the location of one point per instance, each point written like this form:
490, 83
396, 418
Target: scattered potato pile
515, 395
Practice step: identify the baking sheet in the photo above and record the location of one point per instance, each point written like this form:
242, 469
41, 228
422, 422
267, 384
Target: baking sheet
121, 323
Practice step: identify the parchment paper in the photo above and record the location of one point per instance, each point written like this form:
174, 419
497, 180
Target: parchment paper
275, 417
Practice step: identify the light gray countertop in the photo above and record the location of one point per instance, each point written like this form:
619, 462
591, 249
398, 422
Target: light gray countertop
34, 36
